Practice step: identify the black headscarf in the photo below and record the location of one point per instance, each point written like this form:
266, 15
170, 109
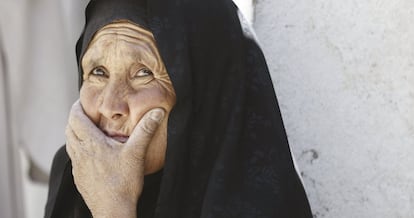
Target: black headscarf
227, 152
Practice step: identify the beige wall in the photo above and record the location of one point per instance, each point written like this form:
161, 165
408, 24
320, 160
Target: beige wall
5, 183
343, 72
39, 40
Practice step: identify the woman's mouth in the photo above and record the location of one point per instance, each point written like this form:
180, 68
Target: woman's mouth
117, 136
121, 139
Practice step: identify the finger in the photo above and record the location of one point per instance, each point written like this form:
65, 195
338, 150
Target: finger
144, 131
81, 123
84, 128
78, 149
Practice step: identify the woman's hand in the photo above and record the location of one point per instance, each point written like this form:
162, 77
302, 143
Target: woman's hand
108, 174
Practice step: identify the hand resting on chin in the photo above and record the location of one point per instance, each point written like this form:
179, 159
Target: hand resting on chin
109, 174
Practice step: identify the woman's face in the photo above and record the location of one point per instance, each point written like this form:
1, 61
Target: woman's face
123, 78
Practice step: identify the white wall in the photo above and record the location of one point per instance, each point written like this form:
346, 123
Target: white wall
343, 73
5, 183
39, 41
247, 9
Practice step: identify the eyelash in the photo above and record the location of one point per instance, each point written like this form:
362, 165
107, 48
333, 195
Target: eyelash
145, 71
100, 72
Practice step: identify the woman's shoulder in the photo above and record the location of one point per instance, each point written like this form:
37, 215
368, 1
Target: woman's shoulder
61, 157
57, 174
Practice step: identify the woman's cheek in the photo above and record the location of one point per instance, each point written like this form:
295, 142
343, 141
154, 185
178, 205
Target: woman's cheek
89, 97
168, 92
148, 98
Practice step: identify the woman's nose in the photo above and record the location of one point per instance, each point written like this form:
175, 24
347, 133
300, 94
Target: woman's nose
114, 104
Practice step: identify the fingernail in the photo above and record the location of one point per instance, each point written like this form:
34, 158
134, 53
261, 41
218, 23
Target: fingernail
157, 114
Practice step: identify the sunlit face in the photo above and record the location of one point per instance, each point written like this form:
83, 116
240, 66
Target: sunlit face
123, 78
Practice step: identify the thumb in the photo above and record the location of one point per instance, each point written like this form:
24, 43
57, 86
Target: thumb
144, 131
82, 126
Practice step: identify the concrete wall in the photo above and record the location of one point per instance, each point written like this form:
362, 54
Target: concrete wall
38, 40
343, 73
5, 168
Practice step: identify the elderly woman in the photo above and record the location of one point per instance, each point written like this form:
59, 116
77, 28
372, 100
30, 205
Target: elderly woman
177, 118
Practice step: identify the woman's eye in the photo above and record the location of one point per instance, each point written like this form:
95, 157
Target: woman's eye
143, 72
98, 72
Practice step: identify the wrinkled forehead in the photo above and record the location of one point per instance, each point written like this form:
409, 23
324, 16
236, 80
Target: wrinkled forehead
127, 32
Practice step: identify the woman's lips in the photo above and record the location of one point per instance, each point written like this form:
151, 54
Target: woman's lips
116, 136
121, 139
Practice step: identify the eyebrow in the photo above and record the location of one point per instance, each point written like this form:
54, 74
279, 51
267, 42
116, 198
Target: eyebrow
92, 61
148, 55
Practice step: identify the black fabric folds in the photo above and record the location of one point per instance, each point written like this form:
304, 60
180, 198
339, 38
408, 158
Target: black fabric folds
227, 154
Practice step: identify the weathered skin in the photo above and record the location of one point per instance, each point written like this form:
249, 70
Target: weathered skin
111, 139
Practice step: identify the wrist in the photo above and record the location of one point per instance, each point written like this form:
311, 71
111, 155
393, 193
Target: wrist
118, 209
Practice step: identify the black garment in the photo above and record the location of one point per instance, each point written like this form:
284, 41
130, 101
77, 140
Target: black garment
227, 153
